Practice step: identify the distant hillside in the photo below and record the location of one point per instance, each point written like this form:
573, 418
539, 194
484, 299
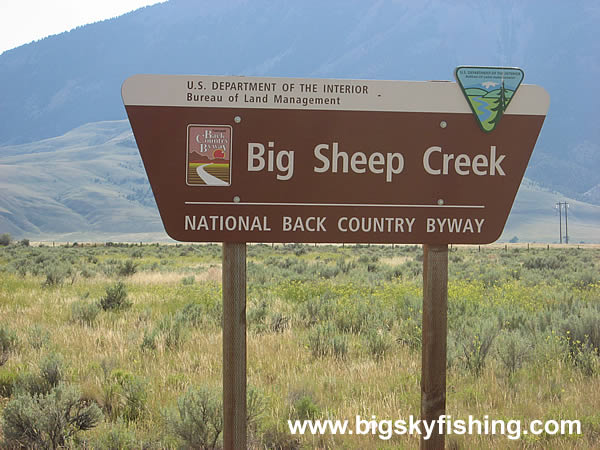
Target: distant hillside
52, 86
576, 173
90, 180
534, 217
90, 185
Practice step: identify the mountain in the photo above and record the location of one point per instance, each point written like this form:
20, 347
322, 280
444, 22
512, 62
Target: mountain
63, 82
90, 185
89, 180
534, 217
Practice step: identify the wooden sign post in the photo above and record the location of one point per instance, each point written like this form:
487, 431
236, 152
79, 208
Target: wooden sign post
243, 159
434, 334
234, 345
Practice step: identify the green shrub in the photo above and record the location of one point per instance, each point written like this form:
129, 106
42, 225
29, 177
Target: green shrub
206, 308
135, 395
413, 268
31, 383
8, 343
115, 298
55, 275
324, 340
546, 262
118, 437
475, 341
172, 331
257, 315
198, 420
491, 276
410, 333
317, 310
52, 369
345, 266
50, 375
300, 250
584, 356
127, 269
255, 407
188, 281
373, 267
393, 273
86, 272
277, 436
279, 322
149, 340
110, 267
378, 343
455, 258
367, 259
586, 279
85, 312
48, 421
193, 313
355, 317
513, 350
305, 408
8, 380
124, 396
38, 336
582, 326
22, 266
5, 239
327, 272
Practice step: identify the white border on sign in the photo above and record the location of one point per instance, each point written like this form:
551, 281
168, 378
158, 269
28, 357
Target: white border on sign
383, 96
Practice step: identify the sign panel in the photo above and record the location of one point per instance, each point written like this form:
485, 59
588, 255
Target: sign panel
241, 159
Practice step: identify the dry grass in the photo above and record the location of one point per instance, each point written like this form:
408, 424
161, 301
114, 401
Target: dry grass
396, 260
200, 272
280, 365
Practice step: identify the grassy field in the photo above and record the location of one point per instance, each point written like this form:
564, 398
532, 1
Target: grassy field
126, 341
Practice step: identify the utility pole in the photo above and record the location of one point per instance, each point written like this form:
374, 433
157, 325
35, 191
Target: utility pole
559, 206
566, 223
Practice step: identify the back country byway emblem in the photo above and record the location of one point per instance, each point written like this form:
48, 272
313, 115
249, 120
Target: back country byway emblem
208, 155
489, 91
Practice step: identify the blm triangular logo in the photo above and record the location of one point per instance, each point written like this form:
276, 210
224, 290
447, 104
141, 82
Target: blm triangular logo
489, 91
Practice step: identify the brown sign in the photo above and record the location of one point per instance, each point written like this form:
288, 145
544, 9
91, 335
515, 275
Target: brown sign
237, 159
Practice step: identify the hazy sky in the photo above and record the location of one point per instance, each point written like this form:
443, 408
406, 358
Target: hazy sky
23, 21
